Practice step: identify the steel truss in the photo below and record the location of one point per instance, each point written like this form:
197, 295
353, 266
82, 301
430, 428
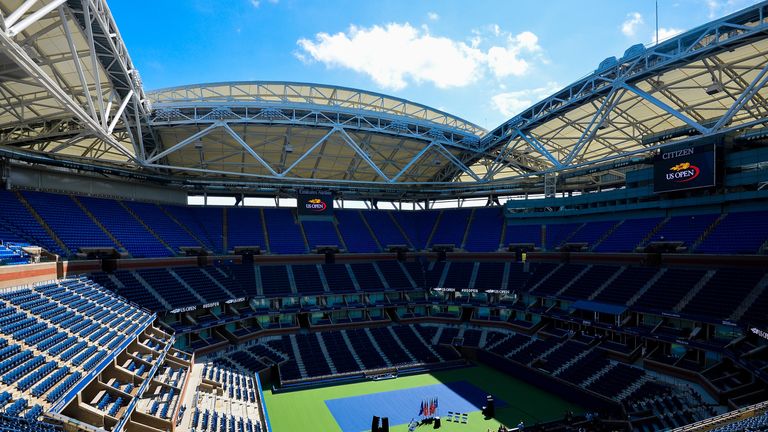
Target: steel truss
635, 79
103, 114
100, 113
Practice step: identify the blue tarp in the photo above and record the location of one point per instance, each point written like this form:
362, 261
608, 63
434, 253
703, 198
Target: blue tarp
353, 414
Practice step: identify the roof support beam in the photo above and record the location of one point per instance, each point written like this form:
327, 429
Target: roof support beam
94, 62
14, 29
666, 108
185, 142
119, 112
413, 160
456, 161
248, 148
309, 150
76, 61
353, 144
539, 147
14, 16
41, 78
752, 89
602, 114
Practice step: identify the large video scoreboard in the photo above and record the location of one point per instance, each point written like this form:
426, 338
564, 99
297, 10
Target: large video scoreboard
686, 167
312, 203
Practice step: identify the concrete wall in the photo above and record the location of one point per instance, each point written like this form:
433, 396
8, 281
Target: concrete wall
62, 181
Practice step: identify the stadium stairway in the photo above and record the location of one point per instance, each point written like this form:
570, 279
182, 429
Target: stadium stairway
184, 284
98, 223
149, 288
751, 299
297, 356
351, 349
181, 225
694, 291
596, 376
376, 346
709, 230
648, 285
150, 230
324, 350
607, 283
400, 343
218, 284
605, 235
573, 281
432, 232
43, 223
397, 225
371, 231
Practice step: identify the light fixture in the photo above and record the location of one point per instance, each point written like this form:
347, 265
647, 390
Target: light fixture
715, 88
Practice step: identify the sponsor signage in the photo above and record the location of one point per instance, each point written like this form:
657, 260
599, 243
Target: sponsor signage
762, 333
210, 305
684, 168
235, 300
315, 203
184, 309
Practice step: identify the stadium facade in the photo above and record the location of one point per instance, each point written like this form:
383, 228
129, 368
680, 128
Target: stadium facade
618, 264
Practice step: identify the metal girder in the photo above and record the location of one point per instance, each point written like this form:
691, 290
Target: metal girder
606, 108
271, 93
185, 142
539, 147
248, 149
663, 106
353, 144
308, 151
749, 92
25, 62
311, 116
722, 34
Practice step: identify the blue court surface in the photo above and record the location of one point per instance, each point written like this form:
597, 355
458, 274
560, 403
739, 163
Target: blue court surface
353, 414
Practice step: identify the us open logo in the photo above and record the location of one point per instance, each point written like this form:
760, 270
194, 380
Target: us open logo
683, 172
316, 205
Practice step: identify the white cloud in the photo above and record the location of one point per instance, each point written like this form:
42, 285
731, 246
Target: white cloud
630, 25
512, 103
718, 8
257, 3
395, 55
666, 33
433, 16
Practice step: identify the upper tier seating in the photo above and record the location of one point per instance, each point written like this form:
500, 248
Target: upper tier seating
557, 234
357, 236
162, 225
517, 234
385, 228
484, 233
68, 221
245, 228
139, 242
284, 234
161, 230
451, 227
740, 233
321, 233
205, 223
686, 229
627, 236
417, 225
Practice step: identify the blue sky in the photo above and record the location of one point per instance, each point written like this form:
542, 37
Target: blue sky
483, 63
